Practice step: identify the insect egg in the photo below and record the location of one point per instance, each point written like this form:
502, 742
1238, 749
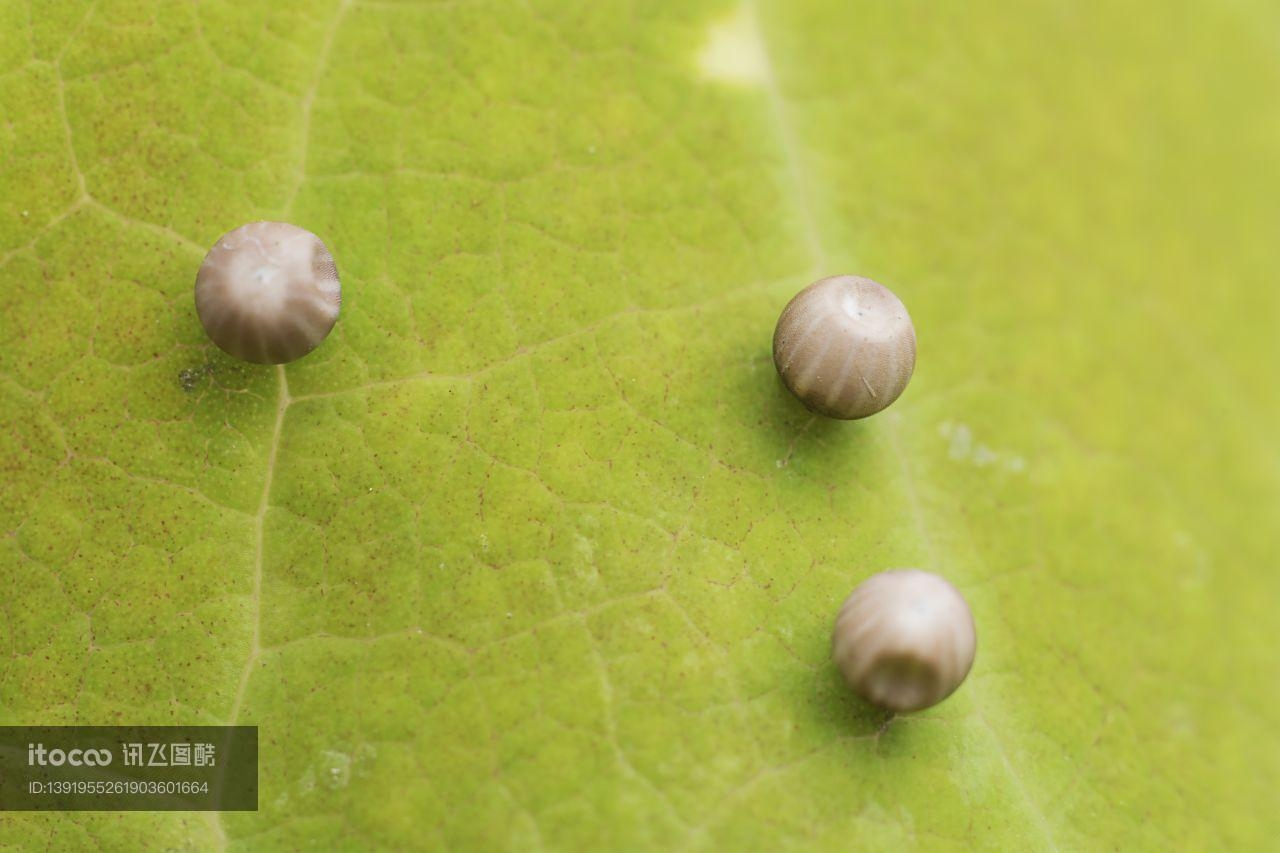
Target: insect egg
845, 347
904, 640
268, 292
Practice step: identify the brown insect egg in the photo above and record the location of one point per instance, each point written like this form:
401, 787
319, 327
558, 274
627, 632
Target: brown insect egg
268, 292
904, 640
845, 347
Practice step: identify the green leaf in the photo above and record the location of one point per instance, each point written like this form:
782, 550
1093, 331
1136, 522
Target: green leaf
535, 551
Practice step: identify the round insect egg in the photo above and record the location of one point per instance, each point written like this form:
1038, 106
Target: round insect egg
904, 640
845, 347
268, 292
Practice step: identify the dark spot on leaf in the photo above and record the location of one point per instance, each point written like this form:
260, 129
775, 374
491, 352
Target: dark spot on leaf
191, 376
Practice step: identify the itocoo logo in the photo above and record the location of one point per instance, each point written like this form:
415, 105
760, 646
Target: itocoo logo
37, 754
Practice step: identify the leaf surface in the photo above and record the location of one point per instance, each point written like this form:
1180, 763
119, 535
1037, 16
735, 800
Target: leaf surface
535, 551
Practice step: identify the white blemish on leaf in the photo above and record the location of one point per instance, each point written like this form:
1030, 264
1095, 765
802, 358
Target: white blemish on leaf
331, 769
961, 447
336, 768
585, 547
983, 455
733, 52
961, 438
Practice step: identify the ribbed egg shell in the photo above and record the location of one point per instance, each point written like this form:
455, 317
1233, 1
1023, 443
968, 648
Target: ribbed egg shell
904, 639
845, 347
268, 292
